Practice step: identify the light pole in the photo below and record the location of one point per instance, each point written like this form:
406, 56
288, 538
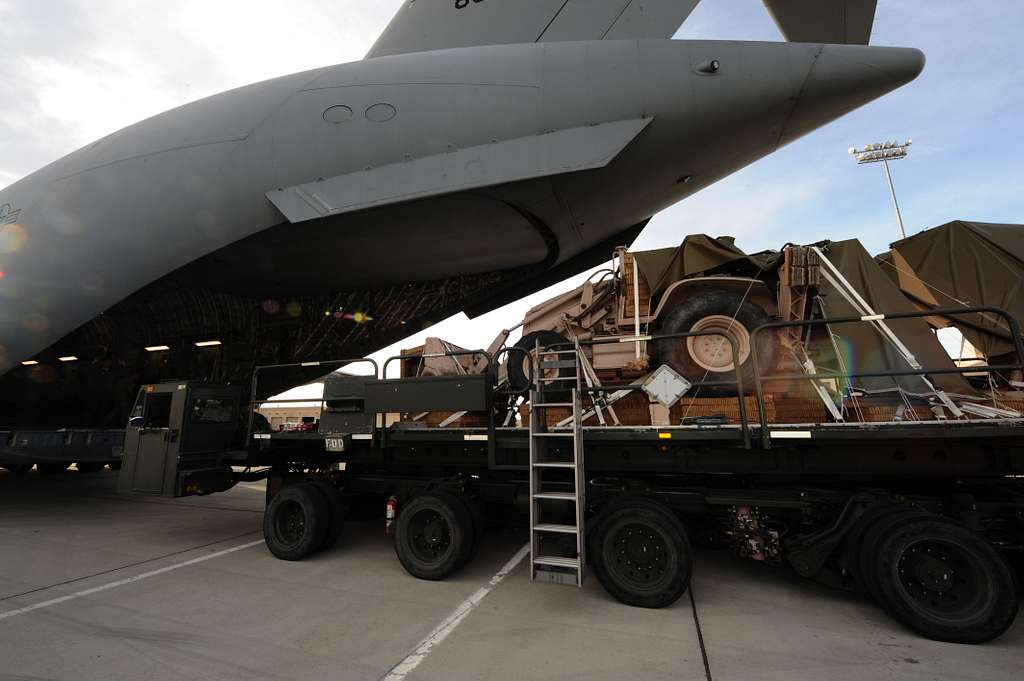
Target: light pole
883, 152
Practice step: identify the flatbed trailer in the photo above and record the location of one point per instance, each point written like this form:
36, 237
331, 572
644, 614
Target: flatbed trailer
927, 517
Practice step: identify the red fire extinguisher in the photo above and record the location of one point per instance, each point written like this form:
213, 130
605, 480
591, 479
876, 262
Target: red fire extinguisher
389, 515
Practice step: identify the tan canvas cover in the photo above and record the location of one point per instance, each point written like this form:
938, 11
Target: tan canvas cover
966, 264
863, 345
698, 253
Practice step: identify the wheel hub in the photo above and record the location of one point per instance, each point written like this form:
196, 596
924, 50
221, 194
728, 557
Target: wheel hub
939, 577
640, 556
714, 352
431, 535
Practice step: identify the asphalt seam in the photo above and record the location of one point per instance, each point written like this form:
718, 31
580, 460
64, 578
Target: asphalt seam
128, 580
700, 636
125, 567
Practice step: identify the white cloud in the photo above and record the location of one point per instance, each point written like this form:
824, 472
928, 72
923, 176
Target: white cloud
76, 73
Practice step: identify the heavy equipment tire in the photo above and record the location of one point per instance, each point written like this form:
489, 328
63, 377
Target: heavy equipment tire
335, 509
854, 541
90, 466
433, 535
711, 356
867, 559
641, 553
296, 522
476, 518
519, 376
946, 582
52, 467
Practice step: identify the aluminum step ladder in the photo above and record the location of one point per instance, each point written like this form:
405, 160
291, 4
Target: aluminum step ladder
553, 453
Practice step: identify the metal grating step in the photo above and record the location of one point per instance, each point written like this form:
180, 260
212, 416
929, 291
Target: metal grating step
557, 561
551, 527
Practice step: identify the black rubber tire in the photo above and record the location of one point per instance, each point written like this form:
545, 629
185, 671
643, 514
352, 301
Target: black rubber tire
52, 468
335, 509
296, 522
476, 517
676, 559
448, 522
683, 317
867, 558
518, 378
973, 595
90, 466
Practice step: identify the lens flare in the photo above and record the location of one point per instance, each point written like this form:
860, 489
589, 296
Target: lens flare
294, 309
12, 238
271, 306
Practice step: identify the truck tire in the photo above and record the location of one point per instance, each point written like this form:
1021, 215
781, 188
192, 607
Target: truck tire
476, 518
946, 582
710, 356
519, 375
641, 554
296, 522
433, 535
867, 558
335, 511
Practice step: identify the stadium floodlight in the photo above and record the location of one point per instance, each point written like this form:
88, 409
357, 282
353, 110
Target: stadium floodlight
883, 152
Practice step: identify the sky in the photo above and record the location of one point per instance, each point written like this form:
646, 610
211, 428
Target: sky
77, 70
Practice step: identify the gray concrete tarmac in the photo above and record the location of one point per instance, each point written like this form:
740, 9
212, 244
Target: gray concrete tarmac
200, 612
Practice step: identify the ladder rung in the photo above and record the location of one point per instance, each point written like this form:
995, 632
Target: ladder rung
558, 364
548, 353
553, 464
545, 381
550, 404
557, 561
553, 434
550, 527
560, 496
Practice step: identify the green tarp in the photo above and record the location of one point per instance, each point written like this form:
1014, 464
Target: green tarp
966, 264
698, 253
863, 346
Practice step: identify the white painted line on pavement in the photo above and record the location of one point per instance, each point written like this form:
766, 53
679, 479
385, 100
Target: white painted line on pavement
122, 582
440, 633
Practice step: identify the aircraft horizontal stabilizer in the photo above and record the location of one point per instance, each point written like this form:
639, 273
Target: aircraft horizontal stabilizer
824, 21
552, 153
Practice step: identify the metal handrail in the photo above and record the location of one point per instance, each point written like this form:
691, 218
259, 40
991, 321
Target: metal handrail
295, 365
924, 372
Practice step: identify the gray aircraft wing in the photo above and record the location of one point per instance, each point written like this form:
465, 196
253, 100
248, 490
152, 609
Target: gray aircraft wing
422, 25
824, 21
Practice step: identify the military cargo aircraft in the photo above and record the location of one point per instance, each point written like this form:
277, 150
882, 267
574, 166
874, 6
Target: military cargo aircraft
483, 150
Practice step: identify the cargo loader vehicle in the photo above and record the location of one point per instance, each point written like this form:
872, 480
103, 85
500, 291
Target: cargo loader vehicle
847, 446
